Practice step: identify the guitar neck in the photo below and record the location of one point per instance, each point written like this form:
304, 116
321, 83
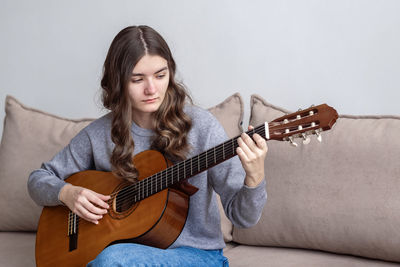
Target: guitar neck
192, 166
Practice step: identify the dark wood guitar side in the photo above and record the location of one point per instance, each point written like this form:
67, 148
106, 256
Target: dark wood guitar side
153, 210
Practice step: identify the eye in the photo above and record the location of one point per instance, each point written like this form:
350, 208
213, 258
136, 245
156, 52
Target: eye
136, 80
160, 76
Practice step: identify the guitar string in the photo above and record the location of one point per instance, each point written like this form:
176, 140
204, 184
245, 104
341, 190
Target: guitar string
123, 196
128, 194
259, 130
175, 169
158, 180
139, 187
201, 156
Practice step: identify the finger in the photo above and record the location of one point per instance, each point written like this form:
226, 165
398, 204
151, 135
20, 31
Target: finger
242, 156
250, 127
88, 204
87, 215
251, 146
260, 142
99, 199
243, 146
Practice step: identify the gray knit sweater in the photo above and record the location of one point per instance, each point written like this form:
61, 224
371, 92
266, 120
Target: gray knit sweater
92, 147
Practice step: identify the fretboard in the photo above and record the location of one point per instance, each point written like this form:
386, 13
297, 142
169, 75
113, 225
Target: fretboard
190, 167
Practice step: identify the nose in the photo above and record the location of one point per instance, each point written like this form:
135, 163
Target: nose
150, 87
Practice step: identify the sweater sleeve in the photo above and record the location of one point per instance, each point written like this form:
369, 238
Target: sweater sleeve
243, 205
45, 183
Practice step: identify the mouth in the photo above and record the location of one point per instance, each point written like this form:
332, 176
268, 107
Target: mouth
150, 100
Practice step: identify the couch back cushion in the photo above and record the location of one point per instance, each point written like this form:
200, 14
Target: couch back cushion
31, 136
341, 195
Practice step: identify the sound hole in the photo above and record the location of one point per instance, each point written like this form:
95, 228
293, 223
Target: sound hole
123, 202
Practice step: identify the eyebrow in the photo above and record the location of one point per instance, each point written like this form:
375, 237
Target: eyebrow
141, 74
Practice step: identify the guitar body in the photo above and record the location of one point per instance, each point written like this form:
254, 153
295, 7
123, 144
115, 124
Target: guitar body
155, 221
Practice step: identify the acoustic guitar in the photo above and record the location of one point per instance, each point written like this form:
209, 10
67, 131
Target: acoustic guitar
153, 210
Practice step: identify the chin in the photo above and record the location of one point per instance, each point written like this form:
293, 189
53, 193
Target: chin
151, 109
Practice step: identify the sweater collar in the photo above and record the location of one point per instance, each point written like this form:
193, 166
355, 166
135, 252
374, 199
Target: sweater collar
137, 130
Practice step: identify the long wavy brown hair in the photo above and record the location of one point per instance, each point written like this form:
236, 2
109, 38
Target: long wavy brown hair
171, 123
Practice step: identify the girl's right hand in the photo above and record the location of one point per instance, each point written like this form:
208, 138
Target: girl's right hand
84, 202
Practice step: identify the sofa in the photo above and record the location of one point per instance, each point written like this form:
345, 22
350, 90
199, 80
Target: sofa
334, 203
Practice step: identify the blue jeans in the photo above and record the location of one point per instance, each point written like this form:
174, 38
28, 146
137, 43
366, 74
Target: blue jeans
129, 254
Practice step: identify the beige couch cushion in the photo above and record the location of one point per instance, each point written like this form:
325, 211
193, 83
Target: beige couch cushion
31, 136
341, 195
17, 249
246, 256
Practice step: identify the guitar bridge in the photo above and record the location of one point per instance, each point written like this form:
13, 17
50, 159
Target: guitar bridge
73, 223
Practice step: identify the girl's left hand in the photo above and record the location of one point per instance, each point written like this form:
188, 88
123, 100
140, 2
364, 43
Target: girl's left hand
252, 155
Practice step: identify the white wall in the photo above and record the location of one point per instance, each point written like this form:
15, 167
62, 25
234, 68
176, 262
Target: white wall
293, 53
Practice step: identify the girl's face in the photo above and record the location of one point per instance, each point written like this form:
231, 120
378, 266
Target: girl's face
147, 87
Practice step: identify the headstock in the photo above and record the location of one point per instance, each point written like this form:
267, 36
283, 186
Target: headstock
301, 124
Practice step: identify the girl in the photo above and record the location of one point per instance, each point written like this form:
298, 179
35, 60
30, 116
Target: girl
150, 110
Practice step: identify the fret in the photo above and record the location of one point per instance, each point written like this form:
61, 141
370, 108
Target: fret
159, 181
215, 160
206, 160
166, 177
198, 163
161, 174
182, 171
171, 175
147, 188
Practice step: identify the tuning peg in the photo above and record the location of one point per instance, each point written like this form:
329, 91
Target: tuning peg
306, 139
319, 137
292, 142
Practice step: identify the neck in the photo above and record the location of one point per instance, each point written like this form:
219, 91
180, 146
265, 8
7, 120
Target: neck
145, 121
